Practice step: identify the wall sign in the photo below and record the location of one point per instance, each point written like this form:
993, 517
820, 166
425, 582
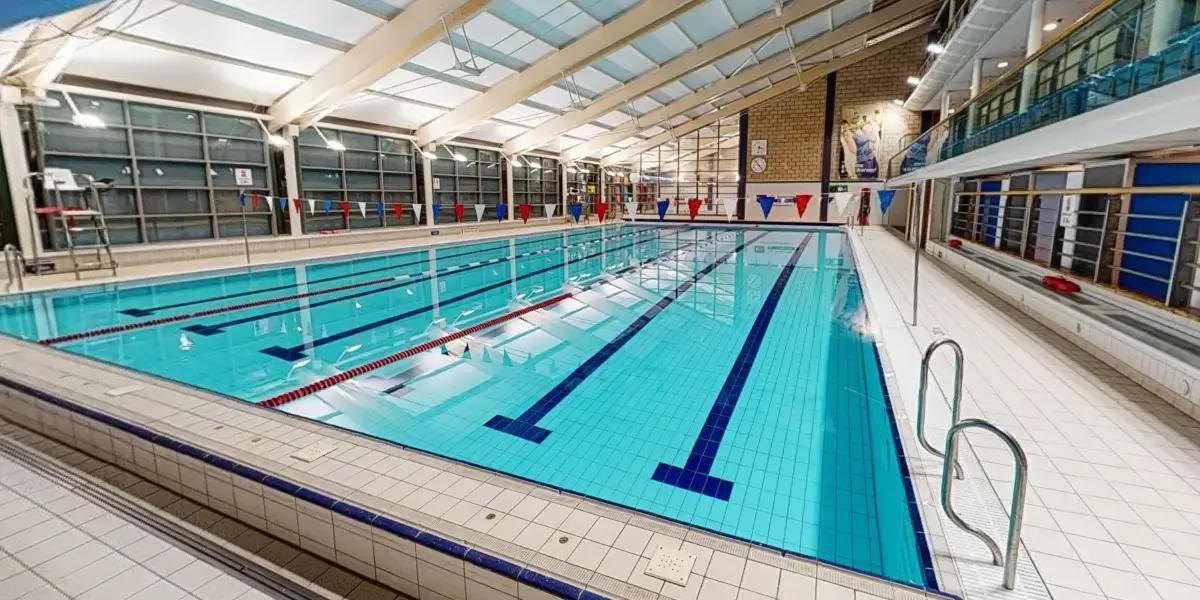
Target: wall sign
437, 183
243, 176
758, 147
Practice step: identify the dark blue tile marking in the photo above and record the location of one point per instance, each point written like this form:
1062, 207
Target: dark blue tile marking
549, 584
525, 426
146, 312
209, 330
694, 475
296, 353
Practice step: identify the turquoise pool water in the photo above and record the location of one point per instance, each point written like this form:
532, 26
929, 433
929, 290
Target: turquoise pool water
715, 376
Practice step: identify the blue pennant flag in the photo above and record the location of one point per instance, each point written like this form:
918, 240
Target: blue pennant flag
283, 204
885, 199
662, 209
379, 208
437, 208
327, 205
501, 211
576, 211
242, 198
766, 202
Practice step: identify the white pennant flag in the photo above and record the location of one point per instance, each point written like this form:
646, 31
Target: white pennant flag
479, 208
362, 209
631, 210
730, 204
549, 210
312, 206
842, 200
417, 213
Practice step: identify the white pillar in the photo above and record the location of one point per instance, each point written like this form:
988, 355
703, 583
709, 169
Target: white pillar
28, 236
509, 187
976, 87
1033, 43
1165, 23
427, 189
945, 108
291, 179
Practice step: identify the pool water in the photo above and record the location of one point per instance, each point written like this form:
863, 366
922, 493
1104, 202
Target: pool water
717, 376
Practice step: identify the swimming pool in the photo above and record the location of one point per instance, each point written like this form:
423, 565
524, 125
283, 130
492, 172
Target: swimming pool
716, 376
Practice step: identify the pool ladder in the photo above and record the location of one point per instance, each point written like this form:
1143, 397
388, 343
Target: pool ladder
14, 266
951, 469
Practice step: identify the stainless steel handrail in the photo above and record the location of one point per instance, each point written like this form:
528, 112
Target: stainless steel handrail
14, 260
955, 402
1017, 516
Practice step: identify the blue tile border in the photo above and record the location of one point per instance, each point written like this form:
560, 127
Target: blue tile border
430, 540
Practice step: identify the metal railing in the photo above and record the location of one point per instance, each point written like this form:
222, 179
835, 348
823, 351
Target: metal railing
1017, 516
955, 402
14, 266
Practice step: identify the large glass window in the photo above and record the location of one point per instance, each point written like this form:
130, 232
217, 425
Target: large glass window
466, 176
359, 187
702, 165
536, 181
174, 171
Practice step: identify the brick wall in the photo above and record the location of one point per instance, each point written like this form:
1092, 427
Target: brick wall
794, 124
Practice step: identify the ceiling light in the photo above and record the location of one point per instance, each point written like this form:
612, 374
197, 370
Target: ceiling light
1002, 64
898, 102
913, 81
935, 48
951, 111
459, 157
88, 121
276, 140
1049, 26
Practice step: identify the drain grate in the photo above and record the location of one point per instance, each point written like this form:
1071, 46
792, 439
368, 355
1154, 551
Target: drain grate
673, 566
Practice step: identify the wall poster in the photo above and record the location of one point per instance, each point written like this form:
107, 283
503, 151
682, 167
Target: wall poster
870, 135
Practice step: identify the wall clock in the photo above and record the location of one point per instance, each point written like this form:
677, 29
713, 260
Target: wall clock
758, 165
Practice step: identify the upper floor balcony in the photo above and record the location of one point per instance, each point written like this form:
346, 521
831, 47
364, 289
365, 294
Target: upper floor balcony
1119, 49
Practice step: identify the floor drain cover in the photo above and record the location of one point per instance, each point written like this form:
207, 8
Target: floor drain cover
673, 566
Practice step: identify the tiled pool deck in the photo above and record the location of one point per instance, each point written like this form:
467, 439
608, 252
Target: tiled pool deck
432, 528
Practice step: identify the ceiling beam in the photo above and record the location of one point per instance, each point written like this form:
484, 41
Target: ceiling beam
376, 55
643, 17
734, 39
50, 45
900, 13
757, 98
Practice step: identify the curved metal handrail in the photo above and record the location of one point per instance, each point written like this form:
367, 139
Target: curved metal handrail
955, 403
1015, 520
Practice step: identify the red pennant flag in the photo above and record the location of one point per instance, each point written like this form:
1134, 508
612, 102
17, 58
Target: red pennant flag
694, 207
601, 209
346, 208
299, 204
458, 212
525, 209
802, 204
254, 198
399, 210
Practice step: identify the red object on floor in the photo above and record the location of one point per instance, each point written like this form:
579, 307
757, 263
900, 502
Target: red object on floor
458, 211
954, 243
601, 209
525, 210
802, 204
1060, 284
694, 207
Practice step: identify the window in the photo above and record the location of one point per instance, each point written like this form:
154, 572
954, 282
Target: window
536, 181
173, 169
374, 174
466, 176
701, 165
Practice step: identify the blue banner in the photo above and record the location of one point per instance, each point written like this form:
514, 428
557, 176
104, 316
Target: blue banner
662, 209
576, 211
766, 202
242, 198
283, 204
501, 211
328, 203
437, 208
12, 13
885, 199
379, 209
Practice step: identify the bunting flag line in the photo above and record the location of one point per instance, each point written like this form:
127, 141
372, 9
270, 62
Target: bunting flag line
601, 210
242, 198
549, 208
379, 208
436, 210
254, 199
525, 209
362, 209
631, 210
842, 200
399, 210
766, 202
283, 204
312, 206
885, 199
576, 211
345, 208
458, 212
417, 213
296, 202
479, 208
501, 212
694, 207
328, 204
802, 204
662, 209
729, 204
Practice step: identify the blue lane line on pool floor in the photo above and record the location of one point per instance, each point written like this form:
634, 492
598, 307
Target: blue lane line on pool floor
296, 353
502, 245
403, 281
694, 475
525, 426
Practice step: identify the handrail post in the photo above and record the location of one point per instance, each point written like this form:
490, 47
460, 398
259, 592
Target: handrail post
1017, 516
955, 402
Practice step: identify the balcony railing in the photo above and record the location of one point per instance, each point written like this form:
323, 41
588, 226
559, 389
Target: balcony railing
1104, 57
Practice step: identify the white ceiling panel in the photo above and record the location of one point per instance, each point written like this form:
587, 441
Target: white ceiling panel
744, 10
698, 111
653, 131
704, 76
399, 80
553, 96
592, 79
626, 63
849, 10
644, 105
586, 132
607, 10
326, 17
491, 131
489, 30
519, 113
730, 62
395, 113
706, 21
614, 118
627, 142
528, 52
440, 94
192, 28
755, 86
137, 64
663, 44
677, 120
670, 92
